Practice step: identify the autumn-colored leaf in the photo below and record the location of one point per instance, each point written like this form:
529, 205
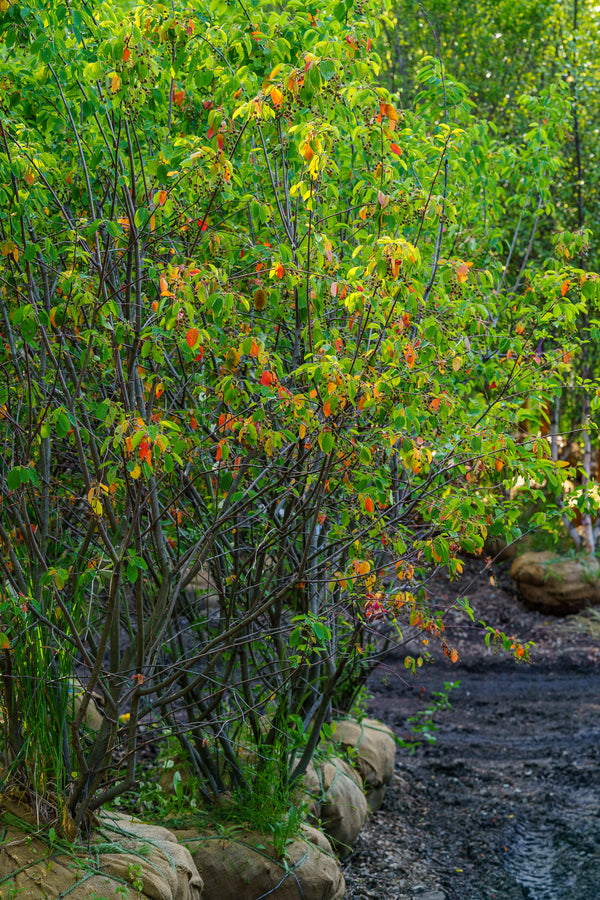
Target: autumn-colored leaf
162, 198
334, 289
192, 338
126, 54
307, 152
327, 409
279, 271
410, 356
4, 641
115, 83
462, 273
160, 389
260, 299
266, 378
396, 149
276, 96
519, 328
369, 505
435, 404
456, 363
164, 288
564, 288
193, 423
453, 656
499, 464
30, 176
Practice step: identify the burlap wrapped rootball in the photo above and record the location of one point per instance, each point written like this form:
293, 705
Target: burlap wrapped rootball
245, 867
371, 748
557, 585
124, 861
336, 793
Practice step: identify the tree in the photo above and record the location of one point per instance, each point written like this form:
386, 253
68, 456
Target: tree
258, 320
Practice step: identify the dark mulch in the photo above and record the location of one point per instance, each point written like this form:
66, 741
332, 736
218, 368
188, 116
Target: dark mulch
506, 803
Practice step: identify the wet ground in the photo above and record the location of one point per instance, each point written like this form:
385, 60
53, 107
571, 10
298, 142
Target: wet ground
506, 803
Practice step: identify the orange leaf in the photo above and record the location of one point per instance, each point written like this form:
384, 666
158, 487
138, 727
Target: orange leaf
192, 338
162, 198
164, 288
435, 404
396, 149
115, 83
126, 54
519, 328
453, 656
279, 271
499, 464
307, 152
327, 409
564, 288
160, 389
276, 97
410, 356
369, 505
193, 423
462, 273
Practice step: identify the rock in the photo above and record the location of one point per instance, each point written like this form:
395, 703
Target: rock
372, 749
127, 860
245, 866
336, 791
557, 585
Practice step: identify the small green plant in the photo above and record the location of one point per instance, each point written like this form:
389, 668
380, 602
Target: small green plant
134, 871
423, 724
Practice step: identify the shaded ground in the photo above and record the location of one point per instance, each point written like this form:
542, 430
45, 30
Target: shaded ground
506, 803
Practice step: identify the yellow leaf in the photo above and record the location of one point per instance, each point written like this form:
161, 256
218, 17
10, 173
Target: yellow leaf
136, 472
115, 83
456, 363
302, 430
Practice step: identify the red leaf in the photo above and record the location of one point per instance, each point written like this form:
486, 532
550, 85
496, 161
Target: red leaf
192, 338
396, 149
267, 379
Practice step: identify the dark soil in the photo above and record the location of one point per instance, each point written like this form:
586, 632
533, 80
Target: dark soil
506, 803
